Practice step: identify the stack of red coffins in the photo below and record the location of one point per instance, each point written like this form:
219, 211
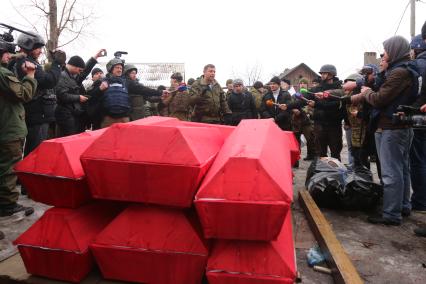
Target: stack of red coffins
240, 177
244, 201
159, 165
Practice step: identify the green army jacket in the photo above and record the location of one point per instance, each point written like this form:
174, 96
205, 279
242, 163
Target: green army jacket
12, 114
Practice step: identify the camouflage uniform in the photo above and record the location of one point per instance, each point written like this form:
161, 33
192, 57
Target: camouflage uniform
258, 96
209, 102
178, 104
13, 93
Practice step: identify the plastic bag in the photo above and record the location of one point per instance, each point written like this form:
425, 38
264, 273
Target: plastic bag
332, 185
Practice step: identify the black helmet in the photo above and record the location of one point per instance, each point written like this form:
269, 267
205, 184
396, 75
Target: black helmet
113, 62
6, 47
30, 42
129, 67
328, 68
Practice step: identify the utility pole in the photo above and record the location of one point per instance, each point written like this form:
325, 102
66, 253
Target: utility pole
413, 19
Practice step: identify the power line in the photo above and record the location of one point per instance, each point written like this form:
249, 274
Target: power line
400, 20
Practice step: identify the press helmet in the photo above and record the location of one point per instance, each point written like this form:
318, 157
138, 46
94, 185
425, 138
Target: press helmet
112, 63
129, 67
30, 42
328, 68
353, 77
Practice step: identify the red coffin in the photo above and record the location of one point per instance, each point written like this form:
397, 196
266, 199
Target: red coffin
57, 245
152, 245
150, 163
293, 146
248, 190
252, 262
53, 174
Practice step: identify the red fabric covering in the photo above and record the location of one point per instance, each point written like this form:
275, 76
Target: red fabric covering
152, 245
150, 163
252, 262
293, 146
53, 174
57, 245
248, 190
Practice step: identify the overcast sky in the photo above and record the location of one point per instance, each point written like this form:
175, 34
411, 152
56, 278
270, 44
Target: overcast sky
237, 35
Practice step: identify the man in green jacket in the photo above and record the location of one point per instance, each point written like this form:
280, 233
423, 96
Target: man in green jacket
13, 93
208, 99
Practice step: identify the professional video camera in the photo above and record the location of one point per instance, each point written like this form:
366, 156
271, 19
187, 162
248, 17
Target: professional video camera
118, 55
6, 39
407, 115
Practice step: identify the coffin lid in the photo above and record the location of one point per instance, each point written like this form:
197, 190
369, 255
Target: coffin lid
253, 165
155, 229
59, 157
69, 229
159, 144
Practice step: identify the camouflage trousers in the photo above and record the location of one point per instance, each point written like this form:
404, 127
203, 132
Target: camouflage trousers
10, 154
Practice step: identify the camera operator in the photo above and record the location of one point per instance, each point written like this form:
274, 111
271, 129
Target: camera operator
13, 93
392, 141
40, 111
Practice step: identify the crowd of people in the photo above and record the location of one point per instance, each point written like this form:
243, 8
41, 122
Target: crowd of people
38, 102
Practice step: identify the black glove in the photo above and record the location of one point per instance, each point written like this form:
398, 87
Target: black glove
59, 57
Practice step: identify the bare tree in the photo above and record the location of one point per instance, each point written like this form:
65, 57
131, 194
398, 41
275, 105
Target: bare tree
250, 75
62, 24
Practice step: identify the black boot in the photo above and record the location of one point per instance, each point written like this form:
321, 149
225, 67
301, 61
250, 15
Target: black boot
15, 208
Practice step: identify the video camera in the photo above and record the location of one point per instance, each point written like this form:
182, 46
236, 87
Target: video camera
6, 39
407, 115
118, 55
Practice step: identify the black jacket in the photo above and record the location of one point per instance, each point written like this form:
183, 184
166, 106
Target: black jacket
328, 112
281, 117
242, 107
68, 91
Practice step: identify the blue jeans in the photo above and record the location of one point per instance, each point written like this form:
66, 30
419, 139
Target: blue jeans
393, 148
418, 170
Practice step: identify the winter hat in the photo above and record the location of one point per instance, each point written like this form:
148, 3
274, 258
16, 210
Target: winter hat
258, 85
96, 70
77, 61
238, 82
229, 81
287, 81
303, 81
275, 80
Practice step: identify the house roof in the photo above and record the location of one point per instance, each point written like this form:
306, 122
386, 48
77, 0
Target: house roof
288, 71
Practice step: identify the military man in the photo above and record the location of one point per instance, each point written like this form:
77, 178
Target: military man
13, 93
40, 111
208, 99
178, 100
257, 91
